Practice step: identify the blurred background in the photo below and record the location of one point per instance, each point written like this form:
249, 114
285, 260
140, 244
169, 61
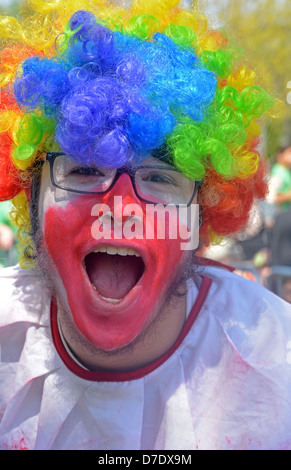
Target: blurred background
263, 29
262, 252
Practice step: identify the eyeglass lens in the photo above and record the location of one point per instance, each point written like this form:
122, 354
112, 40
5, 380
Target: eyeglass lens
165, 185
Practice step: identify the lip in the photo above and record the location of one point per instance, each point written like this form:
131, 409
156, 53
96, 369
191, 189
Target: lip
108, 307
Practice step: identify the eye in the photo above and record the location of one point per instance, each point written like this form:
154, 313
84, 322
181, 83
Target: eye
86, 171
160, 178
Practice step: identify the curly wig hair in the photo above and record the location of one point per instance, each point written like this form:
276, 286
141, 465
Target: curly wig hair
114, 84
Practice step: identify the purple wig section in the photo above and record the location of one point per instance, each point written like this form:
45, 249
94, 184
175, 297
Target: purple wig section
114, 97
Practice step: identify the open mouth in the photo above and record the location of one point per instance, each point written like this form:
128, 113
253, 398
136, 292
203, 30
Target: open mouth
114, 271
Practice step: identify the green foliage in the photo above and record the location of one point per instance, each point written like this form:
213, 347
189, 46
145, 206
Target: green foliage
262, 28
12, 9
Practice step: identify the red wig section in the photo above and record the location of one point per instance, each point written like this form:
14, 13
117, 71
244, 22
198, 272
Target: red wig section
226, 204
10, 182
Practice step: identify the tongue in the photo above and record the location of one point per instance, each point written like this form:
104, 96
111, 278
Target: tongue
113, 275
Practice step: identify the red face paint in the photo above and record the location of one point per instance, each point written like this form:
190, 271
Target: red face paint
68, 240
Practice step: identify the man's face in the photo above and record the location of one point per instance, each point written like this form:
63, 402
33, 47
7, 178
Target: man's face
285, 157
112, 286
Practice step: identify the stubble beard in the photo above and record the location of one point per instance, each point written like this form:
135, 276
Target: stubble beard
175, 294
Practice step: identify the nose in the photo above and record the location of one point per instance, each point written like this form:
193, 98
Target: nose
122, 188
124, 204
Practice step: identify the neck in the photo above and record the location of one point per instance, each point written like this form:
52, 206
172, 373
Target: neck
158, 337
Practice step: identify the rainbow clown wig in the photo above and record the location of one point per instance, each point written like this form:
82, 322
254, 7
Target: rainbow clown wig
114, 85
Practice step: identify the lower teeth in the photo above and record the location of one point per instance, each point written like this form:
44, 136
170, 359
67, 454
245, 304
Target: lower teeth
110, 300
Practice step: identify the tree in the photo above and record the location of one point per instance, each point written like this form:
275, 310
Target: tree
11, 9
262, 28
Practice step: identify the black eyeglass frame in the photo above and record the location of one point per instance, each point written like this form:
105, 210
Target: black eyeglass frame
130, 171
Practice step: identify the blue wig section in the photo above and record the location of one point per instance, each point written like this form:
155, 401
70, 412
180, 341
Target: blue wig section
114, 97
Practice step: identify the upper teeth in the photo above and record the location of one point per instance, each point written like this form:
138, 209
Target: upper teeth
113, 250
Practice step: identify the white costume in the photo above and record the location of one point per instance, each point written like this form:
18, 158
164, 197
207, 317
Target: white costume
226, 383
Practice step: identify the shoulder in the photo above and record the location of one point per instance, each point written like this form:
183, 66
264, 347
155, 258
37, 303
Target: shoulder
238, 357
239, 291
276, 168
22, 295
280, 171
252, 317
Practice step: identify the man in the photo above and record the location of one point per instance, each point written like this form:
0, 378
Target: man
280, 197
280, 194
114, 334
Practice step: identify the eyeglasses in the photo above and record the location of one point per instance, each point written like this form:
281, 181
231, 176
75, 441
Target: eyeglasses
152, 183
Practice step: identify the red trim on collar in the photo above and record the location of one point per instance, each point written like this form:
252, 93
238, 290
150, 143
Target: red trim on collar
101, 376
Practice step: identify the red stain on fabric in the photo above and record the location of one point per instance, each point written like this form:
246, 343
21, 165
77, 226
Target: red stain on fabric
15, 443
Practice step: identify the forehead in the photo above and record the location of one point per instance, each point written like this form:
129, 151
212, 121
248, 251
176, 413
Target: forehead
151, 160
